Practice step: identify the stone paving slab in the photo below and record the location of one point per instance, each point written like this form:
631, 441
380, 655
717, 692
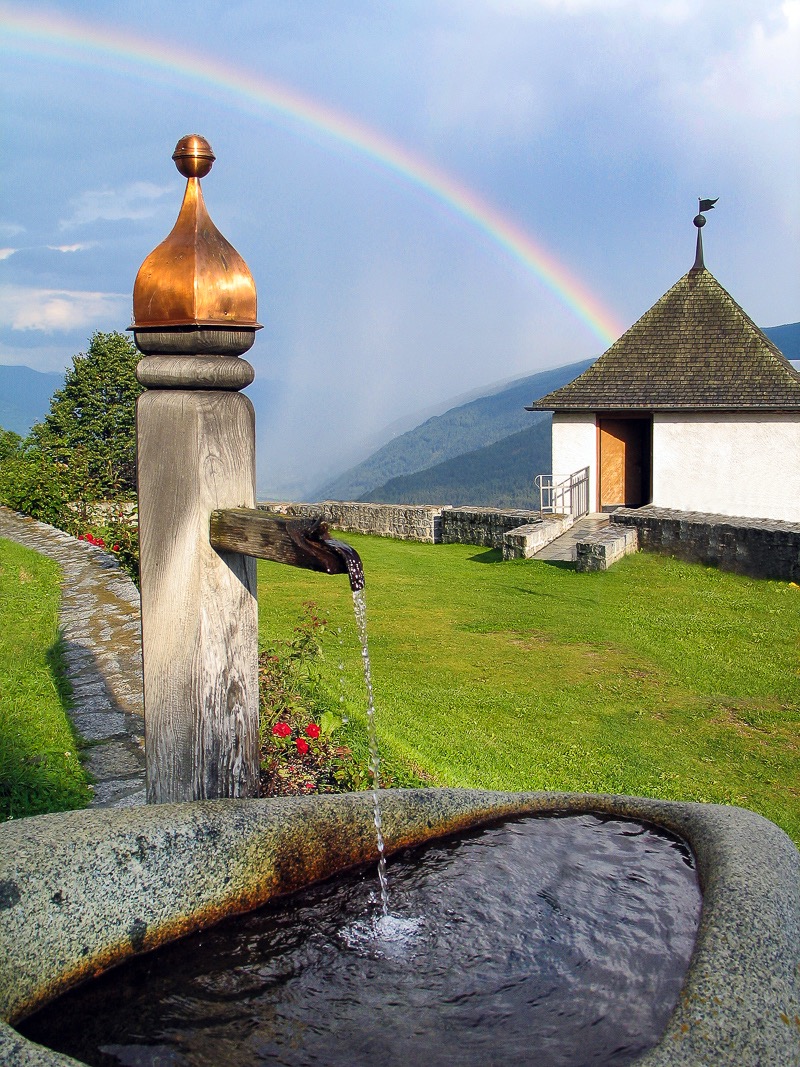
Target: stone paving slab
100, 622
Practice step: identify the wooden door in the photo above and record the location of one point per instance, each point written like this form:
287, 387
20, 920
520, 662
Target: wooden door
624, 447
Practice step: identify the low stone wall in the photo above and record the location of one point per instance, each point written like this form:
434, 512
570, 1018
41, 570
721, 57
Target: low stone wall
435, 524
406, 522
482, 526
759, 548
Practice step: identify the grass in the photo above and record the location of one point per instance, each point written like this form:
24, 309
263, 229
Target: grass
657, 678
39, 766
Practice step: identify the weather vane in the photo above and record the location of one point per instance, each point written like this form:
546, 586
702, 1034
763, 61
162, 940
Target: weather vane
700, 221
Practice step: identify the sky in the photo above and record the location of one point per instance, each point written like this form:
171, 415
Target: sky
432, 195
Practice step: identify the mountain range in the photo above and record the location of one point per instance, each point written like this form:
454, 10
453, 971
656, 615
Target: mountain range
466, 429
25, 397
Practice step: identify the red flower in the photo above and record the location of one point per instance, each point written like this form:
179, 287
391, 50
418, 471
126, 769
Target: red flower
281, 729
302, 745
115, 548
312, 730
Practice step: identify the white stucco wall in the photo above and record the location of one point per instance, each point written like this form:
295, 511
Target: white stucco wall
738, 464
575, 447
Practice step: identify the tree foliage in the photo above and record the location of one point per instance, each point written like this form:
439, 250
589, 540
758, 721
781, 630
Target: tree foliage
10, 444
84, 453
92, 418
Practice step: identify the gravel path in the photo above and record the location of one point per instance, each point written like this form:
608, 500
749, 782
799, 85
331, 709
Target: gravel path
100, 622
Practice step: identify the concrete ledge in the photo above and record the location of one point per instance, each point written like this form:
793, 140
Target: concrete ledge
759, 548
600, 550
525, 541
83, 890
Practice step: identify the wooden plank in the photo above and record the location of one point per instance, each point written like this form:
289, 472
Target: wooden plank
298, 542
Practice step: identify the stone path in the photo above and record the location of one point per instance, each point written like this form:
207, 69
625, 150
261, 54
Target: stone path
100, 623
563, 548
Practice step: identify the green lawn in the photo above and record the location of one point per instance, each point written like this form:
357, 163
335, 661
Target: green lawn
39, 766
656, 678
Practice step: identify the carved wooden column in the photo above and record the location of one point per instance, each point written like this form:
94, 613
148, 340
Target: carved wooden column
194, 316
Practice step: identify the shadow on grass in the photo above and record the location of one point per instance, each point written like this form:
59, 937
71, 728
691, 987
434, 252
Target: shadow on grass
36, 780
492, 555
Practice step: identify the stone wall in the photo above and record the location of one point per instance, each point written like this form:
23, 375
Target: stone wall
406, 522
482, 526
525, 541
760, 548
413, 522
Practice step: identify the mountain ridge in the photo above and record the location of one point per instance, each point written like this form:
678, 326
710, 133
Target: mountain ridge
466, 428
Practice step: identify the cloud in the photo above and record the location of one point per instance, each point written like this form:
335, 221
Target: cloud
81, 246
758, 78
6, 253
10, 229
51, 310
137, 200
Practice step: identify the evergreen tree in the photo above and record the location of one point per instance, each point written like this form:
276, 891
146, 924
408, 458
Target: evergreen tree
91, 422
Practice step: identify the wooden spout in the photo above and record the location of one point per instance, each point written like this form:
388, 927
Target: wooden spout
298, 542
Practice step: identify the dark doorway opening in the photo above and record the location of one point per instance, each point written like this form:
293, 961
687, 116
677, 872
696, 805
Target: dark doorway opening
625, 461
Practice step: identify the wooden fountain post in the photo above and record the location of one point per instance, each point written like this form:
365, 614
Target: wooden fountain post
194, 314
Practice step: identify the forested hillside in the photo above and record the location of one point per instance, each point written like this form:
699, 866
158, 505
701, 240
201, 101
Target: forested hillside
787, 338
464, 429
499, 475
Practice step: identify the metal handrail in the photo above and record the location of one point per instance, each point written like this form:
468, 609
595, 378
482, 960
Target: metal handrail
565, 496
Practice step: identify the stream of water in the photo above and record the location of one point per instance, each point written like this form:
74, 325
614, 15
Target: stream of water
355, 572
360, 604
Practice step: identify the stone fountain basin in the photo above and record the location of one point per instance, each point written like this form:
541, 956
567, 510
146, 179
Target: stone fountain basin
84, 890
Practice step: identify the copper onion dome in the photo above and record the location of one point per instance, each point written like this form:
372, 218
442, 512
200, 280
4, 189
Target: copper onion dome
194, 292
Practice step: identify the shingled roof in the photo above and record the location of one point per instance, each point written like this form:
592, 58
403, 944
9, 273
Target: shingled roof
696, 350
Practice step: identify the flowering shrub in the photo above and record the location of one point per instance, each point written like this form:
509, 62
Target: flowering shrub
301, 750
114, 528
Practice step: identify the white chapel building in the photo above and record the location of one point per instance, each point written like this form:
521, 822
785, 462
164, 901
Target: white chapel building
693, 408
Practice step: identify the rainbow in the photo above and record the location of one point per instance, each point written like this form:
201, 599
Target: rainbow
63, 39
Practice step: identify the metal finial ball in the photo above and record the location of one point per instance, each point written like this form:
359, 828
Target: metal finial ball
699, 220
193, 156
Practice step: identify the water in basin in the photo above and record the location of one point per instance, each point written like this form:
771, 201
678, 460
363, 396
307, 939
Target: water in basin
555, 941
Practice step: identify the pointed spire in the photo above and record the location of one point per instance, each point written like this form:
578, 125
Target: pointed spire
195, 281
700, 221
